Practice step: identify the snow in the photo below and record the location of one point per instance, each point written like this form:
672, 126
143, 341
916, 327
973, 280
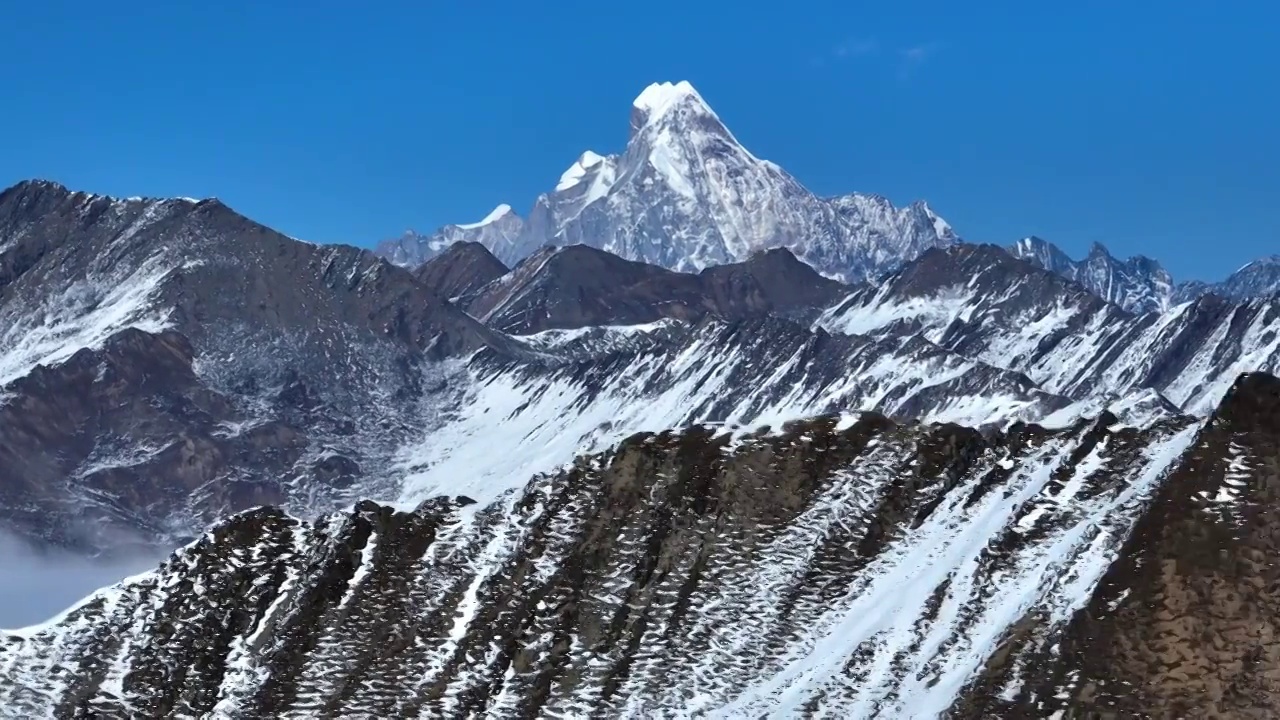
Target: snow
685, 194
607, 335
918, 666
660, 97
1235, 481
492, 217
83, 315
545, 420
365, 566
940, 226
578, 170
665, 159
854, 317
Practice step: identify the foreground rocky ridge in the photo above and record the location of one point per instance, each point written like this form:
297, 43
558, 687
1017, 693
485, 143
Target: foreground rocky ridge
699, 571
1183, 623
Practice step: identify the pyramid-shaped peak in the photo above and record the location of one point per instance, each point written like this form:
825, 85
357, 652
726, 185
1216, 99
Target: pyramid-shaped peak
1098, 250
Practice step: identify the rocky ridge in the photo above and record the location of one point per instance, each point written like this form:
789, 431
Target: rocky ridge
695, 571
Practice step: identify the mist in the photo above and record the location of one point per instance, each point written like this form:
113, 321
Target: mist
37, 585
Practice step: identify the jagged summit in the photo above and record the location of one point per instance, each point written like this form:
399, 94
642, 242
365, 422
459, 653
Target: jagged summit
579, 169
660, 101
1138, 284
52, 191
658, 97
686, 194
495, 215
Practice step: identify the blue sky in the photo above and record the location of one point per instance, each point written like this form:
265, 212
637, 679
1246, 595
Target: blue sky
1150, 130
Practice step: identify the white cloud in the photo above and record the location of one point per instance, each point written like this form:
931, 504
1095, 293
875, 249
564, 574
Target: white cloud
914, 56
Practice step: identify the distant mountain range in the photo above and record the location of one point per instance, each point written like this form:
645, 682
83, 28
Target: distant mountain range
1140, 284
686, 195
687, 439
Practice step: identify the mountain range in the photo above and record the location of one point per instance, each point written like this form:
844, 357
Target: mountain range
686, 195
688, 440
1140, 284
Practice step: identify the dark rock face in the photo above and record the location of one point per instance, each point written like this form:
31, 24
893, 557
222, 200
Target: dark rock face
225, 361
461, 271
678, 571
1182, 624
579, 286
127, 439
773, 282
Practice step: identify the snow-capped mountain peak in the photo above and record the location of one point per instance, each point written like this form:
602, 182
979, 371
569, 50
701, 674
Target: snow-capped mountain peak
497, 214
1138, 284
1268, 261
579, 170
940, 226
659, 100
686, 194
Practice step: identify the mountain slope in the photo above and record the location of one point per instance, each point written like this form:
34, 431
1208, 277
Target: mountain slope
686, 195
982, 303
579, 286
598, 386
678, 572
122, 443
1180, 623
319, 376
460, 272
289, 360
339, 377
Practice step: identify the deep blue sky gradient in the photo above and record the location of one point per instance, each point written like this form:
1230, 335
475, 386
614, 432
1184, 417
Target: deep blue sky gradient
1149, 127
